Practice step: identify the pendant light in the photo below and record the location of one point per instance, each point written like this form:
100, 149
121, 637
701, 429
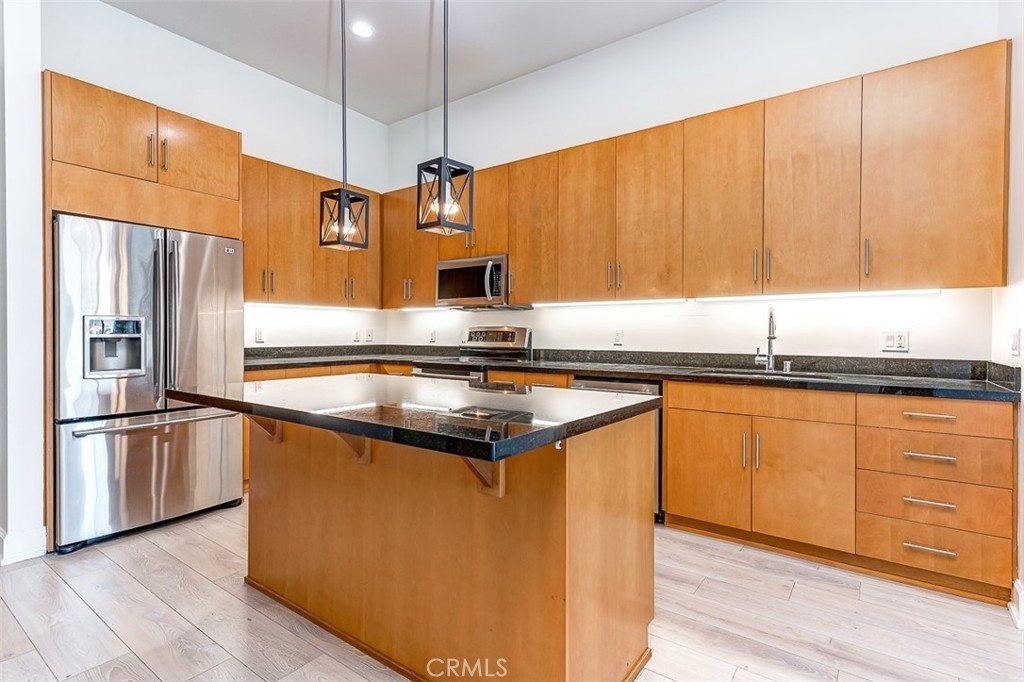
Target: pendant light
344, 213
444, 187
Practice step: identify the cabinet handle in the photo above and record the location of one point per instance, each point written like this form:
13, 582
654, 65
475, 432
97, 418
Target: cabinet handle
928, 503
755, 265
767, 264
618, 275
545, 385
152, 149
757, 451
163, 147
345, 286
926, 548
510, 284
472, 239
465, 239
910, 454
264, 280
410, 288
867, 257
273, 282
929, 415
352, 288
743, 452
608, 275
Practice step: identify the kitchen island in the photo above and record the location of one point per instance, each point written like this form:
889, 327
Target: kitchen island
452, 529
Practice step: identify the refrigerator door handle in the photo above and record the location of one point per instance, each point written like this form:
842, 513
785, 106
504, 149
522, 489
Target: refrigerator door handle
172, 317
84, 433
159, 321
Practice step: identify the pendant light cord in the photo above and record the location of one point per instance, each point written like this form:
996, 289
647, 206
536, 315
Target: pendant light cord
344, 103
445, 148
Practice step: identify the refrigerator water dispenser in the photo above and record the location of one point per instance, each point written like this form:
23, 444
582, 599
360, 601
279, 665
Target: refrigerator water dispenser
114, 347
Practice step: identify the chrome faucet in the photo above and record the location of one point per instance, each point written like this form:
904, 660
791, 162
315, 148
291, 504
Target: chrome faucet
768, 360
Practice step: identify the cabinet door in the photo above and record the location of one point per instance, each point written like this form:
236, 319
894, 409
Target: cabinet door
586, 222
410, 257
98, 128
546, 379
804, 482
289, 220
933, 205
723, 202
812, 189
256, 276
649, 213
364, 266
707, 465
197, 155
533, 229
504, 376
330, 266
354, 369
490, 218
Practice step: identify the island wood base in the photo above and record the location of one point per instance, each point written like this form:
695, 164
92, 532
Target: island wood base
406, 558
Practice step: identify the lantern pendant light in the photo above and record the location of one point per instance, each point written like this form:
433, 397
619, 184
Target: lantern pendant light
444, 187
344, 213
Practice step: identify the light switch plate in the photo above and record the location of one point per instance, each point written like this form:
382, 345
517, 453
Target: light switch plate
1015, 342
356, 337
616, 337
259, 336
369, 335
433, 336
896, 342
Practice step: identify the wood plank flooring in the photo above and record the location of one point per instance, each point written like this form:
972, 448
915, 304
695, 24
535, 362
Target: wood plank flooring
169, 604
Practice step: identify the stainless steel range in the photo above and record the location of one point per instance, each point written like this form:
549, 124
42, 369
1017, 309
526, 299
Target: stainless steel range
476, 346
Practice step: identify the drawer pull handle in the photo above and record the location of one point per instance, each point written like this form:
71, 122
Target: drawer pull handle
928, 503
932, 550
910, 454
929, 415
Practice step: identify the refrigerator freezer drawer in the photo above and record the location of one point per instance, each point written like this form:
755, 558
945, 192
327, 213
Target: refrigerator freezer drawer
119, 474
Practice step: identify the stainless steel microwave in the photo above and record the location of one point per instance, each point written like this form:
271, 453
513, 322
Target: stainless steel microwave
473, 282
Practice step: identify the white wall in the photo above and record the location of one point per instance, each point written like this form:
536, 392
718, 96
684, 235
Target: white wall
22, 401
95, 42
283, 325
727, 54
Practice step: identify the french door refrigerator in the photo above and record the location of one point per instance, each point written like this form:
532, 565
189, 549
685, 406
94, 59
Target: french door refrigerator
139, 309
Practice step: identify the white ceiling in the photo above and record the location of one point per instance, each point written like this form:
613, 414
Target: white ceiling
397, 73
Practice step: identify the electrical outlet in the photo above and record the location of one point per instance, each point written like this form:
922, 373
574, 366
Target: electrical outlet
369, 335
433, 336
896, 342
616, 337
1015, 342
356, 337
259, 336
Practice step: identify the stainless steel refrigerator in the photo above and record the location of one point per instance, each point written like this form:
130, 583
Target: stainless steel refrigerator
139, 309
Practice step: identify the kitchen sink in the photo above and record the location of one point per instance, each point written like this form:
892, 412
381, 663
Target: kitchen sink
758, 373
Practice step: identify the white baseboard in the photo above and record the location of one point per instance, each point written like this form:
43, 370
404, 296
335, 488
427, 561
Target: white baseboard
1016, 604
15, 547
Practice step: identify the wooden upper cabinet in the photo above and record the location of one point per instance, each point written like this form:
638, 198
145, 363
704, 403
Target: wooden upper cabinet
102, 129
649, 213
364, 267
723, 202
330, 266
490, 219
533, 229
289, 221
933, 208
586, 222
254, 229
812, 189
410, 257
198, 156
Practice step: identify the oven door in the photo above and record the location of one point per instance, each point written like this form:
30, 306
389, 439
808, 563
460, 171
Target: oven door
472, 281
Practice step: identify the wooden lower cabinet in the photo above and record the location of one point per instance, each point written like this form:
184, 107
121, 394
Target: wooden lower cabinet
707, 465
519, 378
804, 482
393, 368
361, 368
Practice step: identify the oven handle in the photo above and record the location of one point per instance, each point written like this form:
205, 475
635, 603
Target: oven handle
153, 425
487, 279
470, 376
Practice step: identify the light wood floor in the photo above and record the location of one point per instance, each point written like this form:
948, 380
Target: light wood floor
169, 604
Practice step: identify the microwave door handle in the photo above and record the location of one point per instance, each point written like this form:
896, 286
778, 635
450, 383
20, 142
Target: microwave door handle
487, 279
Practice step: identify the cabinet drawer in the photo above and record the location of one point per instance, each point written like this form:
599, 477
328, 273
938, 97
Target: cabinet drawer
933, 548
984, 461
976, 508
263, 374
296, 372
546, 379
762, 401
354, 369
939, 415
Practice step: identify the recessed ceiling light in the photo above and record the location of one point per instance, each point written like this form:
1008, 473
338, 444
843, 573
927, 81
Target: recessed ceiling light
362, 29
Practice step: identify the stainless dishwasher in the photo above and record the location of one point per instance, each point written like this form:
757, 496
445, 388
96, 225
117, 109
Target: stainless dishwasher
614, 385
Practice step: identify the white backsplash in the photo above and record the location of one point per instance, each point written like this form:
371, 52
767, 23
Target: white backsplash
954, 324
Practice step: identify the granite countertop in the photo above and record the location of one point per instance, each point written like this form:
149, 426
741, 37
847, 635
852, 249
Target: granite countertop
427, 413
973, 388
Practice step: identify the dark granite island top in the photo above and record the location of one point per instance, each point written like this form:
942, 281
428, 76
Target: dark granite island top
428, 413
